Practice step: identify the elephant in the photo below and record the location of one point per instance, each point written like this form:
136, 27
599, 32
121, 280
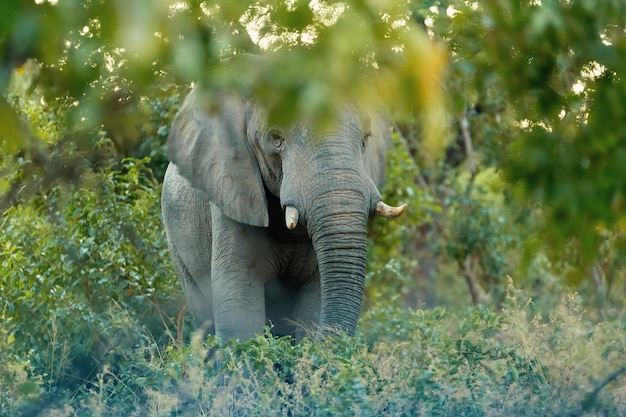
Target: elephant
267, 225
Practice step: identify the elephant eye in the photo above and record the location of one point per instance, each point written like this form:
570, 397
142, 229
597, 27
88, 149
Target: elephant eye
365, 139
276, 138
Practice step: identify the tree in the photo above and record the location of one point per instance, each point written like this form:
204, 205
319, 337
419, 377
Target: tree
551, 73
98, 60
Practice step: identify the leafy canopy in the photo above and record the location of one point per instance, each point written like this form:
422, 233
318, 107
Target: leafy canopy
318, 52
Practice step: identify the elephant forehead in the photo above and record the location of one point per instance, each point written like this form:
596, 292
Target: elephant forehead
347, 124
257, 116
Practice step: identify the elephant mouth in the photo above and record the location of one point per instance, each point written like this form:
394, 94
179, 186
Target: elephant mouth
292, 216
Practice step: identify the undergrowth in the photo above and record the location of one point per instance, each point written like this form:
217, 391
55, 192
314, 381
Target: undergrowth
476, 362
91, 325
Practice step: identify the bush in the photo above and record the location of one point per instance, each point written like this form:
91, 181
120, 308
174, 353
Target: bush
89, 298
393, 253
17, 387
85, 271
474, 362
159, 113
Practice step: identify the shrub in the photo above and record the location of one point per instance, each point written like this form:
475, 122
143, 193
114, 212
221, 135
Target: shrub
85, 271
17, 387
474, 362
160, 110
393, 253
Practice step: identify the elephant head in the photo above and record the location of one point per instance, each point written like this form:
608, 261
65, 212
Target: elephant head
324, 178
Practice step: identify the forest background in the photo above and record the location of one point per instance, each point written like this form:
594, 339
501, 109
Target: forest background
500, 292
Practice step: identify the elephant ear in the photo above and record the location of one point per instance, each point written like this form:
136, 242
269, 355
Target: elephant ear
376, 151
208, 145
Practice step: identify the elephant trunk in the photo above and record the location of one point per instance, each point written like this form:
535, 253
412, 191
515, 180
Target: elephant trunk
337, 226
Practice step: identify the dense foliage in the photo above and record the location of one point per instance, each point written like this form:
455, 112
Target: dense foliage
426, 362
500, 292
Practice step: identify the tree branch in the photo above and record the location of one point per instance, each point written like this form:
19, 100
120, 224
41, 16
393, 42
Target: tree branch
469, 148
591, 398
469, 269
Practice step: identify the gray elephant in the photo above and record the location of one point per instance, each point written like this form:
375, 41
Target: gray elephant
267, 225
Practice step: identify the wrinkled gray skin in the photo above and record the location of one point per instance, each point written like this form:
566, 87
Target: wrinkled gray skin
223, 201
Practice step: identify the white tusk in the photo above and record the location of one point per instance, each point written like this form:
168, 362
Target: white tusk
291, 217
388, 211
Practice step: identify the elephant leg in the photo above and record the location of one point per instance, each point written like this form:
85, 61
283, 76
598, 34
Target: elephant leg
186, 216
280, 305
307, 312
198, 296
242, 262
